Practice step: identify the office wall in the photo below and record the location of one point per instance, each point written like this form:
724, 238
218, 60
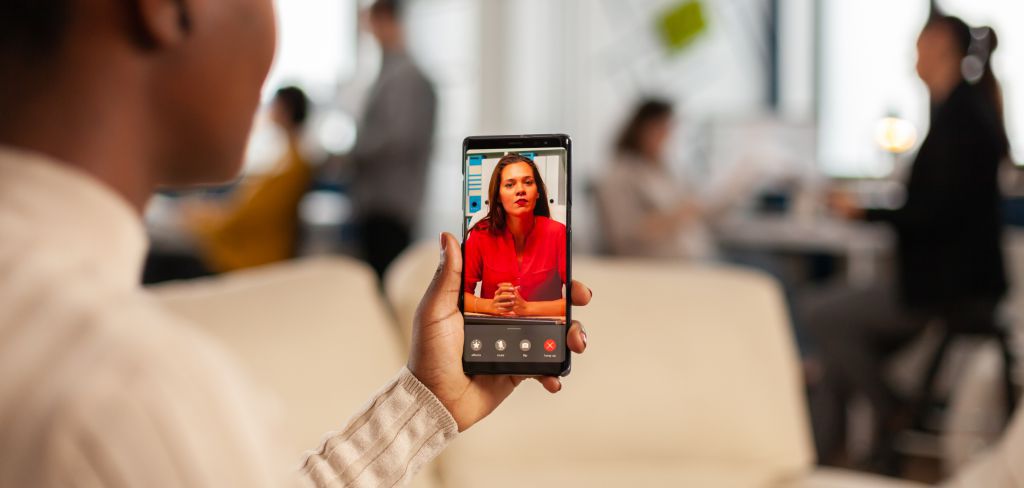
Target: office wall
577, 66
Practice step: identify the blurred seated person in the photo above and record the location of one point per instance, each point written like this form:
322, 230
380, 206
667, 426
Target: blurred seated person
949, 230
646, 210
649, 212
517, 250
258, 224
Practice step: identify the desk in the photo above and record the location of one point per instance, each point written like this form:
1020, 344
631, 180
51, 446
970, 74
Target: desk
560, 320
861, 243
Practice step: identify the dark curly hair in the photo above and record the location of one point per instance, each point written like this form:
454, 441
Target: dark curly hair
32, 30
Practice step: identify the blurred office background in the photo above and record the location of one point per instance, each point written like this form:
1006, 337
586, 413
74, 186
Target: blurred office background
776, 103
810, 81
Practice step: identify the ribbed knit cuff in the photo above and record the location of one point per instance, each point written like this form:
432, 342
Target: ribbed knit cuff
430, 403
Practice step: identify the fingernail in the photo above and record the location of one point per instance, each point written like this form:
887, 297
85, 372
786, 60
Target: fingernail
583, 334
591, 292
444, 242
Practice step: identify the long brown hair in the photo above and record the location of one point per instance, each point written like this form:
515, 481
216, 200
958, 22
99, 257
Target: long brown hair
979, 44
648, 111
496, 219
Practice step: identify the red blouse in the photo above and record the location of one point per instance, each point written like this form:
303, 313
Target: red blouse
492, 259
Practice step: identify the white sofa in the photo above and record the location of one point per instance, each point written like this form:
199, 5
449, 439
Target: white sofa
691, 378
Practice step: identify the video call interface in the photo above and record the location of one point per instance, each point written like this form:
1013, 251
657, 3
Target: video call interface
514, 267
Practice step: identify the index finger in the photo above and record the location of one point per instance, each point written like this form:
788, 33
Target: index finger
581, 294
577, 341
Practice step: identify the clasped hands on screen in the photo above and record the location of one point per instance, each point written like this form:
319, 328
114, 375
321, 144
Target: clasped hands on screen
508, 301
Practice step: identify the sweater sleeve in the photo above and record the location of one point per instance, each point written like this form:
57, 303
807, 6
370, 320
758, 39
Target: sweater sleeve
385, 444
187, 416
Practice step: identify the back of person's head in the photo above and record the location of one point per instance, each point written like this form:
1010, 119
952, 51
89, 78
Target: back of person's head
645, 117
180, 80
387, 8
294, 105
30, 32
385, 23
974, 47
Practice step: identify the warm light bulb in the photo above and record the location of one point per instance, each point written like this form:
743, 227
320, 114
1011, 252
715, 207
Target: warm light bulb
895, 135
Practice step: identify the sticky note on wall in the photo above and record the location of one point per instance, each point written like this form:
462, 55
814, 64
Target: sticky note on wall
680, 25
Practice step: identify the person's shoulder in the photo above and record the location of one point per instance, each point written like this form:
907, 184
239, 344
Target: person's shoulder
482, 225
551, 225
621, 170
107, 361
155, 388
409, 74
481, 229
145, 355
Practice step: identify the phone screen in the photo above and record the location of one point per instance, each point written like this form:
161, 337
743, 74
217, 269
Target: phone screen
516, 255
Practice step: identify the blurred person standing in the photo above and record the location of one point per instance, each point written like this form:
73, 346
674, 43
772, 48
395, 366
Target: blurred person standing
646, 210
259, 222
393, 144
950, 262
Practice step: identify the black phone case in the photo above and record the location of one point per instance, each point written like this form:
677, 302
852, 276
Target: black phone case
511, 142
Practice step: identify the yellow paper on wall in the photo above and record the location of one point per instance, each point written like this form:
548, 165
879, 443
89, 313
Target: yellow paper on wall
680, 25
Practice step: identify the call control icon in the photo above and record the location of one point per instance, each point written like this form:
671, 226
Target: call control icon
500, 345
550, 345
476, 345
524, 345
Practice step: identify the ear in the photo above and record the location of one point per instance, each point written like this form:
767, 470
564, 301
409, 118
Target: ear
163, 22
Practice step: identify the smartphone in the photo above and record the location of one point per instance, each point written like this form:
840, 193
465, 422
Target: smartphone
516, 254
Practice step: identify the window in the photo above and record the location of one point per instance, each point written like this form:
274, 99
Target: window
867, 73
316, 45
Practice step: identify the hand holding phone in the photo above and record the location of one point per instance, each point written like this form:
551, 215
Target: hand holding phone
437, 345
517, 214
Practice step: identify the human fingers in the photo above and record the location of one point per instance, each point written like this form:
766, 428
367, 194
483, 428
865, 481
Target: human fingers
577, 338
437, 338
581, 294
504, 299
552, 384
442, 296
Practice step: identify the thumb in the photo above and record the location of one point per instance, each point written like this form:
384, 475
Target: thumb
443, 294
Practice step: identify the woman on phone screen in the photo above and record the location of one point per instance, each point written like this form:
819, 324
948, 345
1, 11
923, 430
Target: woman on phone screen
517, 250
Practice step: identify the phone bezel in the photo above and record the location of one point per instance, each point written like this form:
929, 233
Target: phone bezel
511, 142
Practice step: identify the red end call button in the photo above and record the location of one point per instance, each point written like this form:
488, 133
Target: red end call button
550, 345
